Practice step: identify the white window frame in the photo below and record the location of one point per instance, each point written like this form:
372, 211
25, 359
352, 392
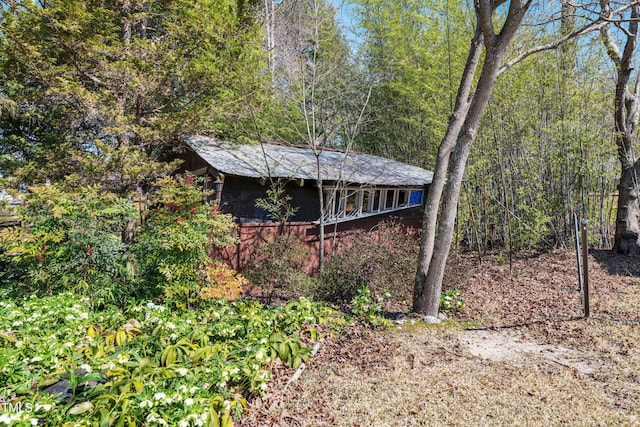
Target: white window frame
341, 194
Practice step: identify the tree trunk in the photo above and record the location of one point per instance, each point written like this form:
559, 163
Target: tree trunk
428, 302
434, 252
626, 110
434, 195
627, 218
321, 227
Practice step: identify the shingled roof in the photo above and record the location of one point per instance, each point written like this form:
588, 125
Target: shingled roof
293, 162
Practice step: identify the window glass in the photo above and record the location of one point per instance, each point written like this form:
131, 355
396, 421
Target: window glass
402, 198
366, 200
351, 202
416, 197
389, 199
376, 201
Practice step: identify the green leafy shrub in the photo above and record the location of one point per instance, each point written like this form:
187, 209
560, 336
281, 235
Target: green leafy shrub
71, 240
277, 204
451, 301
383, 261
172, 247
149, 365
278, 267
365, 307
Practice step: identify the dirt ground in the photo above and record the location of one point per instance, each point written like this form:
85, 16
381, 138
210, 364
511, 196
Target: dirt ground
518, 354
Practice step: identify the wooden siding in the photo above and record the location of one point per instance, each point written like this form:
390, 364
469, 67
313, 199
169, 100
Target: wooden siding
252, 235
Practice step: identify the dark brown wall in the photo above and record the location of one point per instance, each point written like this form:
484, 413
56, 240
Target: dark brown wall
239, 196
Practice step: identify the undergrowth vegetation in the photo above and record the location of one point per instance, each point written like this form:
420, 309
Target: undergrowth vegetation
114, 315
72, 240
383, 260
147, 364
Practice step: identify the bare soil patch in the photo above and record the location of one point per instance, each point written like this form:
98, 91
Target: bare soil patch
528, 359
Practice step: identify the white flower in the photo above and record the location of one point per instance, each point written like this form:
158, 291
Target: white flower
188, 321
183, 423
84, 316
152, 418
160, 395
263, 386
171, 325
182, 371
85, 367
108, 366
188, 402
173, 336
5, 419
146, 404
69, 317
36, 359
46, 407
194, 388
234, 371
34, 421
16, 323
68, 344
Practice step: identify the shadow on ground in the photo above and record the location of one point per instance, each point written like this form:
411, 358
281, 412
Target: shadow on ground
616, 264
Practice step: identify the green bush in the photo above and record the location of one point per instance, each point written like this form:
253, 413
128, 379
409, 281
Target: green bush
451, 301
173, 245
384, 261
71, 240
365, 307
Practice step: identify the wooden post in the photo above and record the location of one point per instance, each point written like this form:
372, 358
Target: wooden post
576, 230
585, 269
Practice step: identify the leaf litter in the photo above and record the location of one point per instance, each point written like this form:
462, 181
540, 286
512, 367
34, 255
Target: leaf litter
526, 357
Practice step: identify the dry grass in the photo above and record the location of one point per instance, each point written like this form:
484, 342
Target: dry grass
547, 371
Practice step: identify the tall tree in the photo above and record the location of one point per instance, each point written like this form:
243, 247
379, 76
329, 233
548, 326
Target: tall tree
97, 87
442, 200
413, 83
317, 84
626, 111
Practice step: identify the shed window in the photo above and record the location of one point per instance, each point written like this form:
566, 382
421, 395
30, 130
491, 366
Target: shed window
346, 203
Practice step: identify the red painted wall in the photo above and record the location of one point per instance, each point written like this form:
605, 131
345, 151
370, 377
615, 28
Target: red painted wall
251, 235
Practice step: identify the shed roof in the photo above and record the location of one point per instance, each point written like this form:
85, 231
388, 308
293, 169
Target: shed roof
299, 162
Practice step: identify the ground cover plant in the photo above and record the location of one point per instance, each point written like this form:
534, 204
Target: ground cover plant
146, 364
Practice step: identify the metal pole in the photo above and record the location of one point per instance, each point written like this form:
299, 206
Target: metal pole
585, 269
577, 235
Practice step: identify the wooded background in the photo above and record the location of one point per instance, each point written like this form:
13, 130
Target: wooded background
99, 92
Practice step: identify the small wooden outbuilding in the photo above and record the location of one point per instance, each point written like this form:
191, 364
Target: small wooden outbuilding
360, 190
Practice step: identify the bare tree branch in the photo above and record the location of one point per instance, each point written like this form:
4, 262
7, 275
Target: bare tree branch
484, 10
588, 28
605, 34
